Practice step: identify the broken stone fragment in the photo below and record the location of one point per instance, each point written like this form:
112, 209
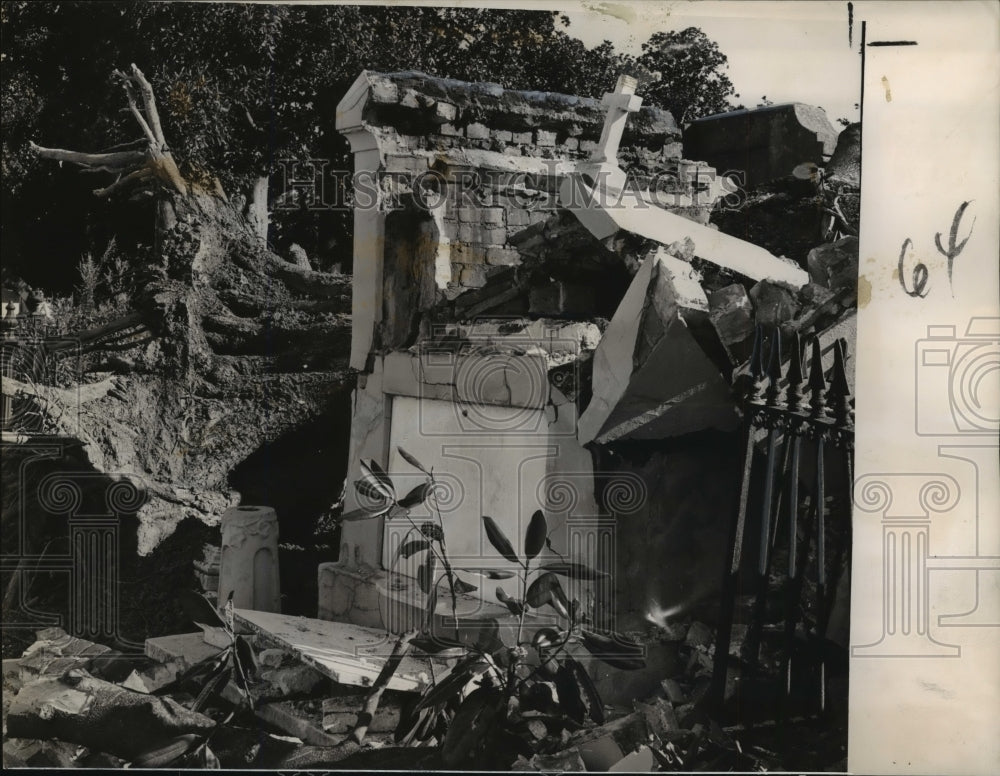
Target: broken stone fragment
340, 714
271, 658
652, 378
82, 709
835, 265
731, 315
673, 691
699, 635
150, 679
55, 652
773, 303
290, 681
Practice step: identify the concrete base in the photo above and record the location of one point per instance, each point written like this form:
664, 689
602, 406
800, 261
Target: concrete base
367, 597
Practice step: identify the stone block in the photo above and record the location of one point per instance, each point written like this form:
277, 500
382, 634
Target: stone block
813, 296
773, 303
340, 714
412, 99
835, 265
512, 150
469, 215
477, 131
445, 112
185, 649
766, 143
151, 679
385, 91
672, 150
673, 691
507, 257
545, 138
518, 217
522, 138
731, 314
588, 146
572, 143
272, 658
297, 719
502, 135
473, 276
291, 681
699, 635
492, 216
450, 130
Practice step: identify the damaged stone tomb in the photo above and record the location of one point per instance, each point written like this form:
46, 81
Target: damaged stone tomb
589, 489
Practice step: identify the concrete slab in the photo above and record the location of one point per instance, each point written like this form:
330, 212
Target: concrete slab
604, 219
348, 654
187, 649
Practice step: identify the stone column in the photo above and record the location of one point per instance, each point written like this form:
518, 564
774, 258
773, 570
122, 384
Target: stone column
249, 564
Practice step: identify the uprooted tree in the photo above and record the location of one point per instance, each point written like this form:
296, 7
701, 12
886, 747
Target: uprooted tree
228, 347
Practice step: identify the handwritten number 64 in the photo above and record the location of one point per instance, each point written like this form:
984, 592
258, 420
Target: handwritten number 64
919, 274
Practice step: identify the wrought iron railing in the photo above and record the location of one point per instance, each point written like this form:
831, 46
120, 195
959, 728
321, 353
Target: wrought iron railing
781, 412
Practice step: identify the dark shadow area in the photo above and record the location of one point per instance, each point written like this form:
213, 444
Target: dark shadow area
300, 475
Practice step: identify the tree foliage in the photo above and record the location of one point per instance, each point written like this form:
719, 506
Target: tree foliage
693, 82
243, 86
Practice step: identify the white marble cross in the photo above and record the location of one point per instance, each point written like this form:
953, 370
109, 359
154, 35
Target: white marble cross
621, 102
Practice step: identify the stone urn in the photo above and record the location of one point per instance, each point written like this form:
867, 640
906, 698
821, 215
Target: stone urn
249, 563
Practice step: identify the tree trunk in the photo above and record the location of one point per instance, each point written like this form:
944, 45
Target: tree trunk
227, 330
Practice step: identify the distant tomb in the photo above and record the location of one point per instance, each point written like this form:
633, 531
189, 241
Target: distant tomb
764, 144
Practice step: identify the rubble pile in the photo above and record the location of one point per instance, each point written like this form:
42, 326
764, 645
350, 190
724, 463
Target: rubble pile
69, 702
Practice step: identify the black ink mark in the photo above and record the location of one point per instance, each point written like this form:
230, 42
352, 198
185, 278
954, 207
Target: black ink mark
850, 25
919, 275
893, 43
953, 249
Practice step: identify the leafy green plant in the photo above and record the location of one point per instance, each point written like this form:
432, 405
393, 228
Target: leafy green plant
498, 701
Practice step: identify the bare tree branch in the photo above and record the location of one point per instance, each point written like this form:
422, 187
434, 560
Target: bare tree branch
122, 183
133, 104
149, 103
113, 162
